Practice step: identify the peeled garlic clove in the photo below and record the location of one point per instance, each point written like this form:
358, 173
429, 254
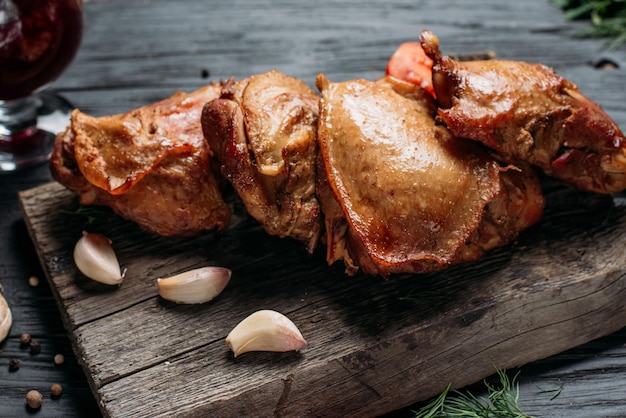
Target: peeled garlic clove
265, 330
95, 258
194, 286
6, 319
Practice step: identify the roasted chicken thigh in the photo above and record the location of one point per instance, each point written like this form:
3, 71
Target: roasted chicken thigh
394, 178
151, 165
525, 112
401, 193
263, 130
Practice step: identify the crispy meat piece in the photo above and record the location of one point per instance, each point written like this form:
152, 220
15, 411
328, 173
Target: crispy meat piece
525, 112
263, 131
151, 165
401, 193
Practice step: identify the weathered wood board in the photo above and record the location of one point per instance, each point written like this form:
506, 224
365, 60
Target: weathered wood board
374, 345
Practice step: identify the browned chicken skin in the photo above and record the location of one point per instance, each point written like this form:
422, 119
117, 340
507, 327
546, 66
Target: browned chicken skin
263, 131
525, 112
400, 193
151, 165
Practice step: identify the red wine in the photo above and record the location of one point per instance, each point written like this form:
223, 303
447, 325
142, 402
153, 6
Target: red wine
38, 40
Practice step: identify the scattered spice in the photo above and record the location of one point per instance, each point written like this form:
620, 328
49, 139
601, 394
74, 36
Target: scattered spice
56, 390
33, 281
14, 364
35, 347
59, 359
33, 399
25, 339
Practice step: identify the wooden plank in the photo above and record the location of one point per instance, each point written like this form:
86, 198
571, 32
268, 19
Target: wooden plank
374, 345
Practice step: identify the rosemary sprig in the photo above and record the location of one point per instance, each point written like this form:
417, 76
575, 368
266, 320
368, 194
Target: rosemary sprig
608, 17
501, 402
556, 391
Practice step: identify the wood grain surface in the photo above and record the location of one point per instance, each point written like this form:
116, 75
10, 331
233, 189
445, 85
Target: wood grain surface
136, 52
561, 285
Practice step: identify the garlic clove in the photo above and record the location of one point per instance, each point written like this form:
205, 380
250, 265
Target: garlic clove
95, 258
194, 286
6, 318
265, 330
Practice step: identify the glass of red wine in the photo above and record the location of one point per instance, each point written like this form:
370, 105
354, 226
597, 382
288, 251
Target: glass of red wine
38, 40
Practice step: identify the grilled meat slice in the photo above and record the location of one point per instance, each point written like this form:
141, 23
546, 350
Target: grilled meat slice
263, 131
401, 193
526, 112
151, 165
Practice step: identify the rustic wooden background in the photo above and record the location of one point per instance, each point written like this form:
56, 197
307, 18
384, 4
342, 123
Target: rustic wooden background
136, 52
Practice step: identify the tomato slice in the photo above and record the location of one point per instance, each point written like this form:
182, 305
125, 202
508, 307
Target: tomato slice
410, 63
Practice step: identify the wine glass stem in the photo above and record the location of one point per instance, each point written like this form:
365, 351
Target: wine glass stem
22, 142
18, 118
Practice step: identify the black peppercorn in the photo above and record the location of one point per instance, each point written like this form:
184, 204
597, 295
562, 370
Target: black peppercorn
35, 347
14, 364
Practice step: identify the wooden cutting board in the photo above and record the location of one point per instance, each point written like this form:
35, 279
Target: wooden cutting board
374, 345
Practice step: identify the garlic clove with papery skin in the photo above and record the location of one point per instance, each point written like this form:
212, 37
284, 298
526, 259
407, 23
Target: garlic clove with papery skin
6, 318
265, 330
194, 286
95, 258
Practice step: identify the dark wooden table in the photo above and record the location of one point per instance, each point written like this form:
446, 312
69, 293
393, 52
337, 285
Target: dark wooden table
140, 51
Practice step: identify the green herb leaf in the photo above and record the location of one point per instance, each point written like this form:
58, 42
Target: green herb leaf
556, 391
501, 402
607, 17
